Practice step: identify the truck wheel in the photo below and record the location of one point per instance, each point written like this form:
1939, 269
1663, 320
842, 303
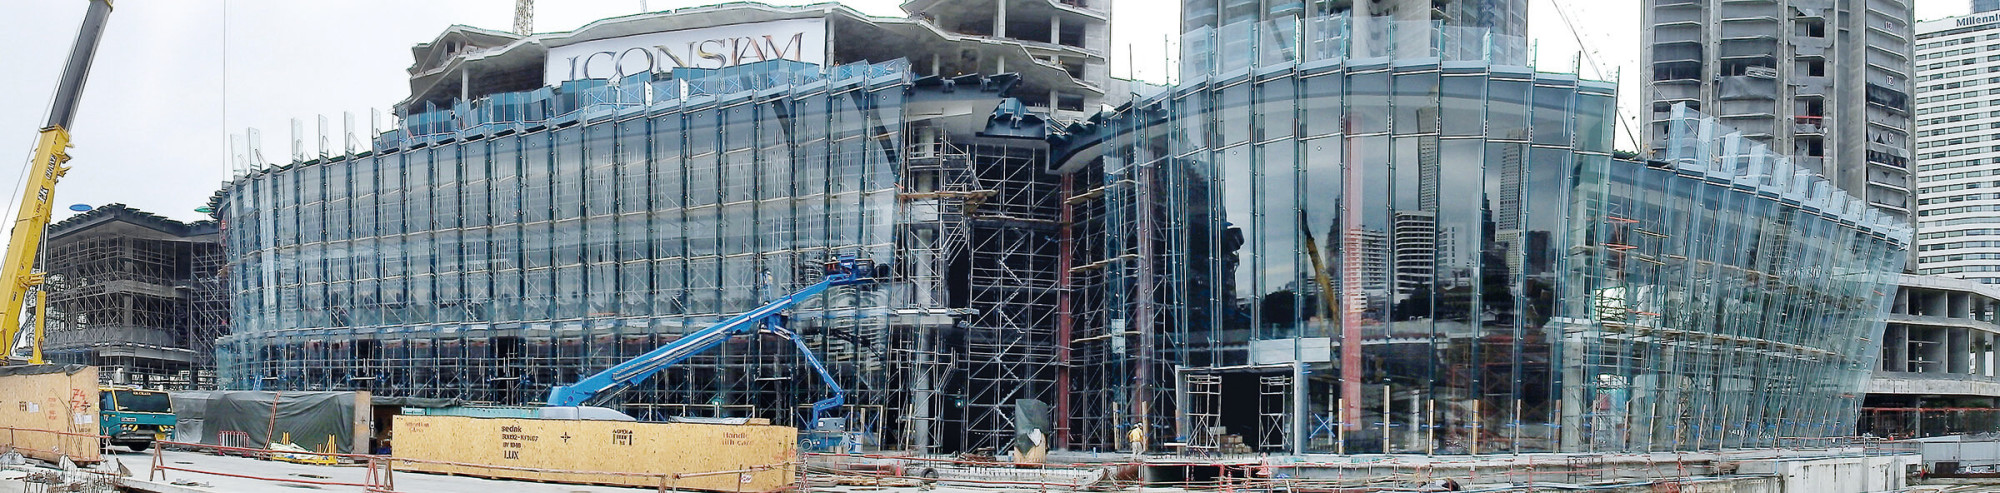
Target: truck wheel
140, 446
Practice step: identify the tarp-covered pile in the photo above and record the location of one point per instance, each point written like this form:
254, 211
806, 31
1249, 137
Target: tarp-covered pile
253, 419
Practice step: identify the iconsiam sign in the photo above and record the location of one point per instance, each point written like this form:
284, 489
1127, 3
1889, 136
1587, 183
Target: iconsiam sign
798, 40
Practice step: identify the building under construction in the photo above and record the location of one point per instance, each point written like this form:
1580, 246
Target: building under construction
1321, 240
138, 295
509, 236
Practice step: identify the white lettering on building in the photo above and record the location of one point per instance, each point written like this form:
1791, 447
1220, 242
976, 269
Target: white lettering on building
799, 40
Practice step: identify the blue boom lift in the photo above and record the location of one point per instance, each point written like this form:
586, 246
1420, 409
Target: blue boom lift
598, 388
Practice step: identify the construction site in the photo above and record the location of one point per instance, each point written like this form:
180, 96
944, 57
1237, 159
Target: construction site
1349, 248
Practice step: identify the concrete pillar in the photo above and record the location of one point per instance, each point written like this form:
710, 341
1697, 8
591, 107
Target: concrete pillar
1958, 350
1299, 401
1895, 348
1055, 29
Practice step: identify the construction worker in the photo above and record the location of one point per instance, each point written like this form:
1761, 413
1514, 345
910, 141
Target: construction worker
1137, 436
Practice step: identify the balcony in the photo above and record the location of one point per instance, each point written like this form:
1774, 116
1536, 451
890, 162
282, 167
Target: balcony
1808, 125
1677, 16
1677, 52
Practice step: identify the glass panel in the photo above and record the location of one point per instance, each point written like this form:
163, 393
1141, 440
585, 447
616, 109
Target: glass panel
1322, 104
1463, 104
1552, 115
1368, 103
1507, 109
1416, 103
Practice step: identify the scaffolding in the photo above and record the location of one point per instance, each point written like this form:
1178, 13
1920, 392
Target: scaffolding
1012, 286
136, 294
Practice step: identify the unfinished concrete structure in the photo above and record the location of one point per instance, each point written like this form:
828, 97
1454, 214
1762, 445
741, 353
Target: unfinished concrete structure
1825, 83
1937, 375
1057, 47
138, 295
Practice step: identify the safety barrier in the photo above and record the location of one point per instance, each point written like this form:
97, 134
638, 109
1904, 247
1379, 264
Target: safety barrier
666, 481
382, 468
1663, 472
14, 437
376, 483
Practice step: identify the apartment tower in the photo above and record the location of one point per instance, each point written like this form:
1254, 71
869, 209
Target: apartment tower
1827, 82
1958, 208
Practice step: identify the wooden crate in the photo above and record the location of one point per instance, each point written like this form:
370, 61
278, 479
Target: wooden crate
50, 411
531, 449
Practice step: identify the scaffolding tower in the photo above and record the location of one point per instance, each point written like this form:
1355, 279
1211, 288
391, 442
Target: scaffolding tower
136, 294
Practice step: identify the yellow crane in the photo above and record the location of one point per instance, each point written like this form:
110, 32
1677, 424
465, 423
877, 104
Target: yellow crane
18, 274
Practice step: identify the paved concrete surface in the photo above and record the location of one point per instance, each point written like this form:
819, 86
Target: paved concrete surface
141, 465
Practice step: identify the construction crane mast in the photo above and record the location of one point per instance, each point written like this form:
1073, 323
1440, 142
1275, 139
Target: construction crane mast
524, 17
18, 275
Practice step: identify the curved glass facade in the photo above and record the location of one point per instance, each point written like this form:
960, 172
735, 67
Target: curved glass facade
483, 255
1446, 257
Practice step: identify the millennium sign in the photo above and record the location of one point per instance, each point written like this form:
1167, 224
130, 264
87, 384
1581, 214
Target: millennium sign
800, 40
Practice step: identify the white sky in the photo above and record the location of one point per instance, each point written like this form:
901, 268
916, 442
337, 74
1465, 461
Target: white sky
174, 79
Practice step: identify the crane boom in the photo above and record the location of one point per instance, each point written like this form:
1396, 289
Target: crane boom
769, 318
18, 275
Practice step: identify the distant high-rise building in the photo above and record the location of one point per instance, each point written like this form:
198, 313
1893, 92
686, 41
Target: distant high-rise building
1829, 84
1389, 27
1985, 6
1956, 148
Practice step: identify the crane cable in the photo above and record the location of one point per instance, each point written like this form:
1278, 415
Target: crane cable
1589, 55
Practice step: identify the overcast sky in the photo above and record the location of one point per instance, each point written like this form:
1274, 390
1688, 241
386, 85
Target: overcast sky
174, 79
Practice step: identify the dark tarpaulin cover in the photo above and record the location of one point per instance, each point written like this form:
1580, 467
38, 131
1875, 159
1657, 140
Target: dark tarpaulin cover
312, 419
1030, 415
40, 369
188, 410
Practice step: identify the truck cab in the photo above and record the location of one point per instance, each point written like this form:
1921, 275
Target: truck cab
134, 418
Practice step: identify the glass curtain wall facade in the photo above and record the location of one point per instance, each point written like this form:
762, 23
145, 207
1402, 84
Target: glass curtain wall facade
1323, 253
491, 250
1726, 298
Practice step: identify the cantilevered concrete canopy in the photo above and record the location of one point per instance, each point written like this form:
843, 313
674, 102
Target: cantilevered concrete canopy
492, 61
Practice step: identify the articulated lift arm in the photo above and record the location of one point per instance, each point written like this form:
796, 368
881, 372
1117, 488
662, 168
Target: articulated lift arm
18, 276
769, 317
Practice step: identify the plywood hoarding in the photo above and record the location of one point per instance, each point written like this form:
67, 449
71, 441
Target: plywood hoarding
50, 411
748, 458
